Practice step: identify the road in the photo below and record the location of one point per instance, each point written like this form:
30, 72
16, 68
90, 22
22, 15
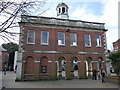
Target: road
8, 81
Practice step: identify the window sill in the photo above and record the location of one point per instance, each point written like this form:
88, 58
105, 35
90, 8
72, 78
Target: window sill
73, 45
98, 46
61, 45
43, 73
44, 44
88, 46
30, 43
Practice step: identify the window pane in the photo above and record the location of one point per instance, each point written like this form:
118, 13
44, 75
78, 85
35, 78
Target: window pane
87, 40
73, 39
61, 38
98, 40
31, 37
44, 37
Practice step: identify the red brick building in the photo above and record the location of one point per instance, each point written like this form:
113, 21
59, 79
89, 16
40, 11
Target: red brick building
53, 48
4, 57
116, 45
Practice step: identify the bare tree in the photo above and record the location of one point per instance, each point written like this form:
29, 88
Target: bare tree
10, 12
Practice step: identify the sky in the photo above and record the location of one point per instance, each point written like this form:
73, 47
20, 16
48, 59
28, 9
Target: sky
104, 11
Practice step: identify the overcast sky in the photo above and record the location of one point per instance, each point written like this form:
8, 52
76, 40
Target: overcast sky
104, 11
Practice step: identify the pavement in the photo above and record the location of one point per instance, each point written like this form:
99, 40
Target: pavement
8, 81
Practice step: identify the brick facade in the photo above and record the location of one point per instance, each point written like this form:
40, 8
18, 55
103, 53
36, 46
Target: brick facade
53, 61
116, 45
34, 56
4, 56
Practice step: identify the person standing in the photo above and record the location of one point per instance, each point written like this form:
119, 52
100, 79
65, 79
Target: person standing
103, 76
5, 69
94, 74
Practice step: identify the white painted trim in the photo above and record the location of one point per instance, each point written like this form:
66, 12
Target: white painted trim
37, 61
24, 61
59, 27
78, 61
94, 61
68, 61
49, 61
29, 74
56, 61
61, 52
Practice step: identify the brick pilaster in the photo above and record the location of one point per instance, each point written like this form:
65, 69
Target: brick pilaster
68, 70
82, 69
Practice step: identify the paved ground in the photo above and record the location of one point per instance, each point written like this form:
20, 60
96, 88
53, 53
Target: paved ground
8, 81
0, 79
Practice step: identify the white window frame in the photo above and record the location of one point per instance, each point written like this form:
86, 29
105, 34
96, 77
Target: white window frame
64, 40
75, 39
89, 40
33, 37
47, 38
100, 45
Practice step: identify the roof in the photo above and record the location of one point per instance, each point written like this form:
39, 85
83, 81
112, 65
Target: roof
62, 22
62, 4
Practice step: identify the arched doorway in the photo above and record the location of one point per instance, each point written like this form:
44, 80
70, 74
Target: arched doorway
74, 70
89, 67
29, 65
61, 68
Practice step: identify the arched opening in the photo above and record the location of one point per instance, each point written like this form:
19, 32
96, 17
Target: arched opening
59, 10
61, 68
89, 67
43, 65
29, 65
74, 67
63, 10
100, 66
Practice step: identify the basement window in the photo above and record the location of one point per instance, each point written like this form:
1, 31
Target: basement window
43, 69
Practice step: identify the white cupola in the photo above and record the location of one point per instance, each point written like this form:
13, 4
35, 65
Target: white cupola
62, 11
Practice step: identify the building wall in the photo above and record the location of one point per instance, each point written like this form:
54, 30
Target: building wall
32, 55
5, 58
53, 40
0, 60
116, 45
36, 61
